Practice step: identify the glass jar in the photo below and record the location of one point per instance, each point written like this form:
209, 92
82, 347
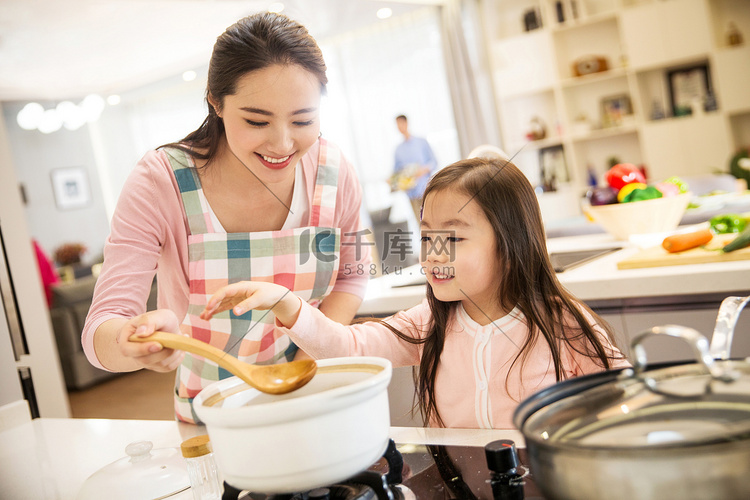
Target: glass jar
204, 477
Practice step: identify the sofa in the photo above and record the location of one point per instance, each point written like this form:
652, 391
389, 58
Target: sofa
70, 305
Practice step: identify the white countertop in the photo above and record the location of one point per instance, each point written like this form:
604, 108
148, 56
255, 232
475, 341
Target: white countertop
596, 280
49, 458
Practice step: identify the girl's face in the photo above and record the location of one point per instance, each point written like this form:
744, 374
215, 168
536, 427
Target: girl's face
459, 256
273, 120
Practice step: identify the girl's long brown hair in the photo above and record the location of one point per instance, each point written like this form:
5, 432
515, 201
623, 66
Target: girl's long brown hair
526, 278
252, 43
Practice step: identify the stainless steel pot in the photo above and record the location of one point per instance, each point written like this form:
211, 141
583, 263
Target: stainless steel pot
328, 430
680, 431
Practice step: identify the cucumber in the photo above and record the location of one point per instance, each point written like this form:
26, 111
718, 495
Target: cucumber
741, 241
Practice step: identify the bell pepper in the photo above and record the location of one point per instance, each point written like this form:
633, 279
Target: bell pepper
647, 193
624, 173
629, 188
728, 223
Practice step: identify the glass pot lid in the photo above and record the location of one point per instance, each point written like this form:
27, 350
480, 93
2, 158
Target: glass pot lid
145, 473
685, 405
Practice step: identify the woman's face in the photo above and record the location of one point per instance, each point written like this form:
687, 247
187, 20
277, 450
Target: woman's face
272, 120
458, 254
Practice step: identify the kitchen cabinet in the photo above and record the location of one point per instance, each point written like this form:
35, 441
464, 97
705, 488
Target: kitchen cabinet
659, 33
621, 107
698, 312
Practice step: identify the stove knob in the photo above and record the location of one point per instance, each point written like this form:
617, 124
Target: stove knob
502, 456
506, 481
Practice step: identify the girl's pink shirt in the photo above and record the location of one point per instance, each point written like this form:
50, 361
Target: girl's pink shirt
149, 234
474, 365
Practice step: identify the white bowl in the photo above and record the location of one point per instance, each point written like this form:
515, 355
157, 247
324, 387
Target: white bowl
622, 220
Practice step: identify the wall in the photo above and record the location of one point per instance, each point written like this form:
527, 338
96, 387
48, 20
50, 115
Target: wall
107, 149
35, 156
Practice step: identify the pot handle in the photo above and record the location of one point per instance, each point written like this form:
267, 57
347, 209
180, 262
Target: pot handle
726, 320
697, 342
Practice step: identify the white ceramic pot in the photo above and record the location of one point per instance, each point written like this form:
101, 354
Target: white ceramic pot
333, 427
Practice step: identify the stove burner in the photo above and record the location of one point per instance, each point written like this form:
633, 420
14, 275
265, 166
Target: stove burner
367, 485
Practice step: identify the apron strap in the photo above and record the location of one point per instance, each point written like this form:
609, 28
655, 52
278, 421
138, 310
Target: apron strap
190, 190
326, 184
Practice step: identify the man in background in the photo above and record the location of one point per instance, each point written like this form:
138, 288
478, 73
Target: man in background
414, 164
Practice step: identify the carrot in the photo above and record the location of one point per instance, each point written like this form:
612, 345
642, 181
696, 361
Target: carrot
686, 241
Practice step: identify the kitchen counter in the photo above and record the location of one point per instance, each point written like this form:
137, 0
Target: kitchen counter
596, 281
49, 458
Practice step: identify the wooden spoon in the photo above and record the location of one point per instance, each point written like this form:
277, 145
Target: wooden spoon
272, 379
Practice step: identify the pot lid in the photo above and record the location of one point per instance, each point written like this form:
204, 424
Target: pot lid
685, 405
145, 473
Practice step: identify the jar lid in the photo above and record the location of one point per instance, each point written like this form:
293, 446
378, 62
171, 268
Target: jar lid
196, 446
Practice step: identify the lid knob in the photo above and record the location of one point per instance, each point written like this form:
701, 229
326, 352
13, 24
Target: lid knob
140, 450
502, 456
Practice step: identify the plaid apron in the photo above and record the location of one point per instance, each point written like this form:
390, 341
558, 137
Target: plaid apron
305, 260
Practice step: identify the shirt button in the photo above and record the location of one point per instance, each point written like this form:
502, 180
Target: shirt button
483, 385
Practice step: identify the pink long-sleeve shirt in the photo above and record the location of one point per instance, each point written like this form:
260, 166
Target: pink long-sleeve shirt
474, 366
149, 234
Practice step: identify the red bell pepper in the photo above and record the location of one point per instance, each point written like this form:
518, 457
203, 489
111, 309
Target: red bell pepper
622, 174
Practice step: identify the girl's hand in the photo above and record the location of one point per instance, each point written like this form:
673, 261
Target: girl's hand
246, 295
151, 355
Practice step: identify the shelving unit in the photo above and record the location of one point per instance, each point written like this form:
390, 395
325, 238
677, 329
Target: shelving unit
536, 46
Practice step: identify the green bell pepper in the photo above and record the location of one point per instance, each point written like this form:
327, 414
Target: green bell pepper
728, 223
640, 194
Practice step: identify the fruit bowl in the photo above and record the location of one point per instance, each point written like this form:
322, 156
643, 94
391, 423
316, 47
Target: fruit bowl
622, 220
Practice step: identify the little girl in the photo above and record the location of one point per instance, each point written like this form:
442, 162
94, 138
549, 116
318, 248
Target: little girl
496, 325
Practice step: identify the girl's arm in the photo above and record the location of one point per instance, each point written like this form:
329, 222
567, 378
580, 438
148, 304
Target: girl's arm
316, 334
340, 306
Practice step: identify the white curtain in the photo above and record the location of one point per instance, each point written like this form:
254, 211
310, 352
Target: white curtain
469, 76
394, 67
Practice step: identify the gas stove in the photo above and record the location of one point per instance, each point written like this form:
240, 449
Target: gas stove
409, 471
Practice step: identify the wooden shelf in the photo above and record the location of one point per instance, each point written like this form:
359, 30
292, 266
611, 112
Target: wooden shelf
642, 41
594, 78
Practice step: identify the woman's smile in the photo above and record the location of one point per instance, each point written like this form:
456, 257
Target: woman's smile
273, 162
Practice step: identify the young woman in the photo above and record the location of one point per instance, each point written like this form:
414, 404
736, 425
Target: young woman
253, 194
496, 326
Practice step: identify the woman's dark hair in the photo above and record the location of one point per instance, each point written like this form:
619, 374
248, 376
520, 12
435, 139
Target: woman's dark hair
527, 279
252, 43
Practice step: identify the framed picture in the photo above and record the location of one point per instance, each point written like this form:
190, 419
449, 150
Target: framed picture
71, 187
552, 166
688, 86
614, 109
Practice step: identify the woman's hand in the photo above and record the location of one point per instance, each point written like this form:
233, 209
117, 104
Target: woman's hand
151, 355
246, 295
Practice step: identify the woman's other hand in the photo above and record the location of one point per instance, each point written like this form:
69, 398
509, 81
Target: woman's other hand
243, 296
151, 355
